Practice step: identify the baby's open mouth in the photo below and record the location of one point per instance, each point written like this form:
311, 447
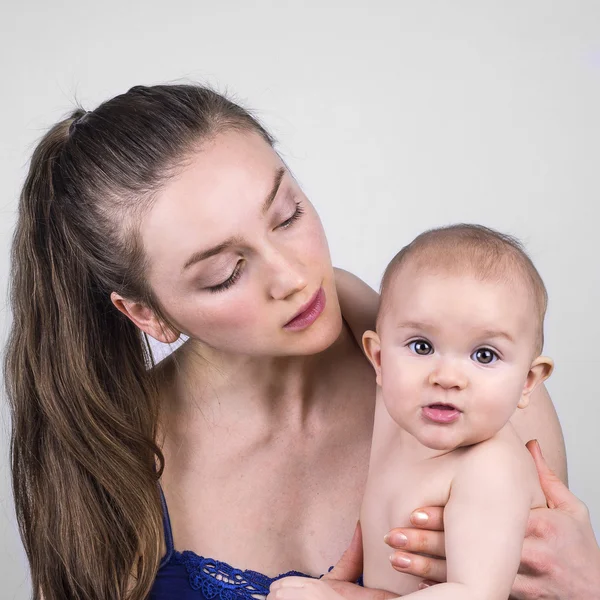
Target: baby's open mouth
441, 413
442, 406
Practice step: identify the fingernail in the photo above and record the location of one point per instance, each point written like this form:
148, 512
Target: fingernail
398, 540
424, 585
419, 517
400, 561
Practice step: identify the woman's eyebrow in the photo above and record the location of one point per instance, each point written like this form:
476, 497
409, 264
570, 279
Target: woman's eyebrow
276, 183
204, 254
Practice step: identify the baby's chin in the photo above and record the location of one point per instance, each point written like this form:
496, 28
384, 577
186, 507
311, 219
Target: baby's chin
438, 444
447, 440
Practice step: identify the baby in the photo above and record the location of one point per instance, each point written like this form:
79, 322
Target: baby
456, 352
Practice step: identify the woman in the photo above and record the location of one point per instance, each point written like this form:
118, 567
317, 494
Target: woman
167, 211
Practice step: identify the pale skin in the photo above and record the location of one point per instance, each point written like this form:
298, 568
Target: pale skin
469, 343
258, 421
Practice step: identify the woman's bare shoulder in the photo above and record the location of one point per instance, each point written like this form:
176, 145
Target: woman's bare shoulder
358, 301
539, 421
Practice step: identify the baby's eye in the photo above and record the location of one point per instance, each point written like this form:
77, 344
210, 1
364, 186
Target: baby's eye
484, 356
421, 347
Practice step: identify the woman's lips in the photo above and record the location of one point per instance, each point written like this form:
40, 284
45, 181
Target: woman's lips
441, 413
309, 313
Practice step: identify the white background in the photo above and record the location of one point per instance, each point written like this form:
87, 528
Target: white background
395, 116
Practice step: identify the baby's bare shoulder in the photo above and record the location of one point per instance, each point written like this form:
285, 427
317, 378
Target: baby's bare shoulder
504, 445
502, 458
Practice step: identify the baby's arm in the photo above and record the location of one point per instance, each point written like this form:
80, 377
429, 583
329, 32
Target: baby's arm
485, 520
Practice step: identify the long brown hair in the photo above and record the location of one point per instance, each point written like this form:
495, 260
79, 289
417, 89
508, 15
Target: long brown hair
84, 406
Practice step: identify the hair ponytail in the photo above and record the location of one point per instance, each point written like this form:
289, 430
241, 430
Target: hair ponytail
84, 404
83, 409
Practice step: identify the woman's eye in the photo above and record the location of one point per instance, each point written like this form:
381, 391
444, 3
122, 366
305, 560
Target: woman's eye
484, 356
421, 347
297, 214
229, 281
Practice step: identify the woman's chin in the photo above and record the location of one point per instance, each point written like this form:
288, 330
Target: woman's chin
321, 334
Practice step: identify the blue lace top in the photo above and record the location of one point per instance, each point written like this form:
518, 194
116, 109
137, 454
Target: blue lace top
187, 576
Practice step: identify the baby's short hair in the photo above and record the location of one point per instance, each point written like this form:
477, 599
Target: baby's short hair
474, 249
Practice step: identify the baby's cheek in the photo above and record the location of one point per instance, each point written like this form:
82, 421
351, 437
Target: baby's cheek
501, 404
399, 393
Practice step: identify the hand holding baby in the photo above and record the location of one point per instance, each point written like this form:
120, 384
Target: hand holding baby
560, 556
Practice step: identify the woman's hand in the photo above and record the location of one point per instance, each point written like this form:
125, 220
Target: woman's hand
560, 559
338, 584
420, 550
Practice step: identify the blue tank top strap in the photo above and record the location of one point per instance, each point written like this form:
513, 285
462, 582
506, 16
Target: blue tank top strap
167, 529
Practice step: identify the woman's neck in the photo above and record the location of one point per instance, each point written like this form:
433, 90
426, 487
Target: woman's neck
245, 388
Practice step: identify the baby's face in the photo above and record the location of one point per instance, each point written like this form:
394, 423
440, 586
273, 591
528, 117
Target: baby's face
455, 355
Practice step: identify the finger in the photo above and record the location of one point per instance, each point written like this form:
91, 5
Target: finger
542, 525
431, 517
350, 565
427, 583
556, 492
417, 540
536, 559
421, 566
291, 593
524, 588
352, 591
289, 582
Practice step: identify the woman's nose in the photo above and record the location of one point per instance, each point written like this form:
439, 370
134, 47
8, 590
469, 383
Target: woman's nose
287, 276
448, 374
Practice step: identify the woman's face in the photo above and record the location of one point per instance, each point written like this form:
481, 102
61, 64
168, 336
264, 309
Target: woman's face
235, 251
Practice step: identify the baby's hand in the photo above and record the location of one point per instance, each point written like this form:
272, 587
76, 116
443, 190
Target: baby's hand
302, 588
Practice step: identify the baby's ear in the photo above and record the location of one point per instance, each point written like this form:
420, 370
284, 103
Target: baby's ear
541, 368
372, 346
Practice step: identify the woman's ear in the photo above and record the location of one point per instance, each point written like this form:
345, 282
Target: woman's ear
372, 346
145, 319
541, 368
